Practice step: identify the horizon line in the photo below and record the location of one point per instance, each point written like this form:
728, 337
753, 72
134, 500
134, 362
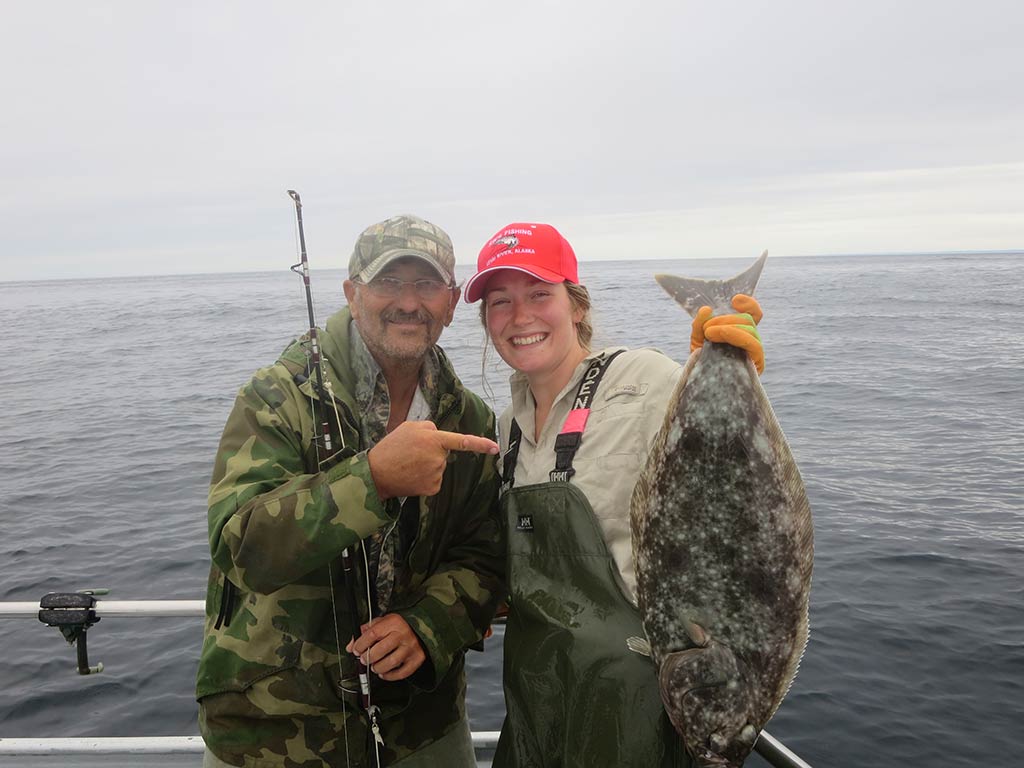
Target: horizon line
897, 254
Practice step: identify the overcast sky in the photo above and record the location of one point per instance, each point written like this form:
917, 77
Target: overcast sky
160, 137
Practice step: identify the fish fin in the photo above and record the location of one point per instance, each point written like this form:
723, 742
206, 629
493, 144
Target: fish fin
693, 293
639, 645
696, 633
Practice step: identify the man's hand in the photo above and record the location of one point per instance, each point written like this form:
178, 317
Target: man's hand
389, 647
736, 330
411, 460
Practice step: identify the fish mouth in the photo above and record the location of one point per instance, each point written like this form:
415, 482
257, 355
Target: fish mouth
526, 341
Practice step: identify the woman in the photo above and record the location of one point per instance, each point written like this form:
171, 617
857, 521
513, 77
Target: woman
573, 443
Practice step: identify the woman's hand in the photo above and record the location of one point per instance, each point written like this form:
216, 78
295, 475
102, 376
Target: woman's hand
739, 330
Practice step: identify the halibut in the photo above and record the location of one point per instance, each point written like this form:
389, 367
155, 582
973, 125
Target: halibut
723, 545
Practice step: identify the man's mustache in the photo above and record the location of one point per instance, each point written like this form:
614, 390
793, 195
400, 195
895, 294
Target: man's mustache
398, 316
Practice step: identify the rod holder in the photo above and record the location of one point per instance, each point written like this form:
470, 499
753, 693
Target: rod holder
72, 613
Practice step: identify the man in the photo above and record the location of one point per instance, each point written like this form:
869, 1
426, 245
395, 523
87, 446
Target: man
409, 490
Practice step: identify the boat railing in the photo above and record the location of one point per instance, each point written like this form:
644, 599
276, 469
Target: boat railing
73, 613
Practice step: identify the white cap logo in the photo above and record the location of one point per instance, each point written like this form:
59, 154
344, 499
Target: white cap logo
509, 241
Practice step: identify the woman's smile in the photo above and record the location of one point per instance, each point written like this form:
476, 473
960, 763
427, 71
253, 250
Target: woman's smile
524, 341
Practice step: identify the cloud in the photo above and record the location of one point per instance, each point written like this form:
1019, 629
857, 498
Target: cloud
162, 136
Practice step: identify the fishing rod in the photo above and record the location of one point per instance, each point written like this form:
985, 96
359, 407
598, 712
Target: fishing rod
347, 565
302, 268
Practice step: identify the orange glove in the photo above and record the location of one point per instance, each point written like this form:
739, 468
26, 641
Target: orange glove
737, 330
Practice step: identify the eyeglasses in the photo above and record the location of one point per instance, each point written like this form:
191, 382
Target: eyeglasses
391, 287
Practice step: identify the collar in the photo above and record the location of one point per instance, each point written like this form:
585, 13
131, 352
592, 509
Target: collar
525, 407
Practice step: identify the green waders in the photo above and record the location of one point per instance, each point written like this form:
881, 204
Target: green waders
575, 696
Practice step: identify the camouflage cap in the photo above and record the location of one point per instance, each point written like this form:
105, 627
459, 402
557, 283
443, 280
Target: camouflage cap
399, 236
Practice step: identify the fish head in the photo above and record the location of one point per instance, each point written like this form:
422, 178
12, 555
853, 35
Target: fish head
711, 703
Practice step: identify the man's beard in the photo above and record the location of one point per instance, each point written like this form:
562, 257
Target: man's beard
404, 349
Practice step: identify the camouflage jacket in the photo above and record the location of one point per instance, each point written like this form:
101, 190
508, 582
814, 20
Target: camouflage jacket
268, 675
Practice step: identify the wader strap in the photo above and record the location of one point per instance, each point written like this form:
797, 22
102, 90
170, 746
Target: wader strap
569, 439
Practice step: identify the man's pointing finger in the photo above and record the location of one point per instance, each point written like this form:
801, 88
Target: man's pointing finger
453, 441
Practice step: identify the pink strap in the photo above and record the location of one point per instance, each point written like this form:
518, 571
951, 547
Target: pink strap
576, 421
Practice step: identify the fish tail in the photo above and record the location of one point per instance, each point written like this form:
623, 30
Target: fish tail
692, 293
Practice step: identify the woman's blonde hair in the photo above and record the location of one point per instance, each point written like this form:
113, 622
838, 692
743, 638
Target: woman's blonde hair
579, 299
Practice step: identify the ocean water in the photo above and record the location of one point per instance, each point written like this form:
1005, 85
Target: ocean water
899, 382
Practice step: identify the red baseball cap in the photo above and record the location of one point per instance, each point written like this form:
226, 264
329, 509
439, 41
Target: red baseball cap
536, 249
